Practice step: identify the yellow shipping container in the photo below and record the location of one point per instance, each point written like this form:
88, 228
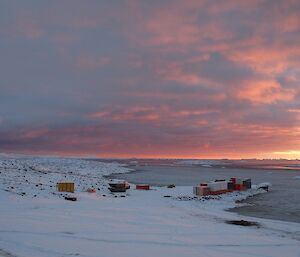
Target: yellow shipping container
65, 187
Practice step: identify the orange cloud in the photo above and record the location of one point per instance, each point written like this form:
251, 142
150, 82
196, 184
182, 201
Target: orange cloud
269, 60
265, 92
294, 110
193, 112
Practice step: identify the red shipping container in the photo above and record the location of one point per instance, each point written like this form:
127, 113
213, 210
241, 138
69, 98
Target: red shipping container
240, 187
219, 192
91, 190
143, 187
233, 180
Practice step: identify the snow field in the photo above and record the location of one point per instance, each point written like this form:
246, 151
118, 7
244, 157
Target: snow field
142, 223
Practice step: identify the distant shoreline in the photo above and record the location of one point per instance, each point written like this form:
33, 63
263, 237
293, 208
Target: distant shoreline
288, 165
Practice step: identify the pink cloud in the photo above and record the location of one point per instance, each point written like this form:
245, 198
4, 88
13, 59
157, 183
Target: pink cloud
192, 77
265, 92
270, 60
137, 113
294, 110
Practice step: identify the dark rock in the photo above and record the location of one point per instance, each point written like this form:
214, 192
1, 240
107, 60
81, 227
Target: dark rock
171, 186
266, 188
244, 223
71, 198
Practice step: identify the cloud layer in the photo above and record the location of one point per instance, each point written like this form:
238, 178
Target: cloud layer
207, 79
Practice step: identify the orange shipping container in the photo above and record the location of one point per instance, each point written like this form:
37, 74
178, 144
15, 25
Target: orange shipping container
65, 187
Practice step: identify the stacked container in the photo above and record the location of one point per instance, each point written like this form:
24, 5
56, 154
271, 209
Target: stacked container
201, 190
233, 180
218, 187
117, 186
221, 186
230, 186
247, 183
239, 185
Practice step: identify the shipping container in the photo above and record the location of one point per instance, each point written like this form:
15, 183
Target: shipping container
65, 187
230, 186
247, 183
201, 190
117, 190
121, 185
233, 180
239, 187
195, 190
143, 187
216, 186
239, 181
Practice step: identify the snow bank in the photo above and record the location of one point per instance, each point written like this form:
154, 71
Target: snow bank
38, 176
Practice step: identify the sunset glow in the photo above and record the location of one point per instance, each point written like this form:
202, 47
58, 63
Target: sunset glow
162, 79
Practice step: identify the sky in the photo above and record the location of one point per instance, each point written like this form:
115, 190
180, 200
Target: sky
164, 79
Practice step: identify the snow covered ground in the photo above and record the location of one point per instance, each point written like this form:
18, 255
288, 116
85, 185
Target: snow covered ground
36, 221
